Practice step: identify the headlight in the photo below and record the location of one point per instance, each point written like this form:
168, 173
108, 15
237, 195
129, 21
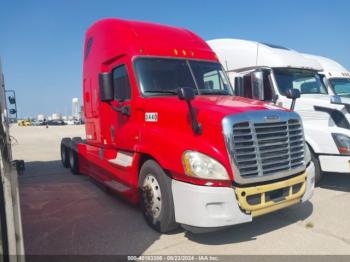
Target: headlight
202, 166
307, 154
343, 143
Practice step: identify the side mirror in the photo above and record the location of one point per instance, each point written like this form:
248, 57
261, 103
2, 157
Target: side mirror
12, 111
292, 94
257, 83
106, 87
239, 87
185, 93
12, 100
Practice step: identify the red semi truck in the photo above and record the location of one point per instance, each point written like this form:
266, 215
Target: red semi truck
164, 129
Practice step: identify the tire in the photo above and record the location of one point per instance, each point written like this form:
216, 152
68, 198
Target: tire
73, 162
156, 197
77, 140
318, 171
73, 155
65, 142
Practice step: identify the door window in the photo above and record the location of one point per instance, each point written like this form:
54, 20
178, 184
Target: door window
121, 83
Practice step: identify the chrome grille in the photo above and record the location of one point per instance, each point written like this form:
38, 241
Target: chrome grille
264, 149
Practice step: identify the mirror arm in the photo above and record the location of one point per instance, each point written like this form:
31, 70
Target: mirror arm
292, 106
197, 127
187, 94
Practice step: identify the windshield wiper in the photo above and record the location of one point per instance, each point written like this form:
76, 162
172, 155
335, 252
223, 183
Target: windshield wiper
162, 91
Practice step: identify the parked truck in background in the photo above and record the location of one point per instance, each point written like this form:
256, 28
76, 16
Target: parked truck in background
11, 238
163, 129
278, 69
334, 75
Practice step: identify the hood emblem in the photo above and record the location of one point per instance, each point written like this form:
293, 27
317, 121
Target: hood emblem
271, 118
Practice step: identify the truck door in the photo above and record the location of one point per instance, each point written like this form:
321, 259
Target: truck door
123, 129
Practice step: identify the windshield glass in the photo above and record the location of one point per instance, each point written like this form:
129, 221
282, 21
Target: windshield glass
341, 86
306, 81
159, 76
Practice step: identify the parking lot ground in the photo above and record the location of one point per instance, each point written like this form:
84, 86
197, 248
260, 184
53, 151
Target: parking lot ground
67, 214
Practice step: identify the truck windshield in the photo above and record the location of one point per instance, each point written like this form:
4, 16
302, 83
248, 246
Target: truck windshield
306, 81
163, 76
341, 86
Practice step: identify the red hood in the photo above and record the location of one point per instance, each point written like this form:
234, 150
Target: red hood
209, 109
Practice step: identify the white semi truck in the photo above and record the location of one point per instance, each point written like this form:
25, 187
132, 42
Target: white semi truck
276, 70
334, 75
11, 240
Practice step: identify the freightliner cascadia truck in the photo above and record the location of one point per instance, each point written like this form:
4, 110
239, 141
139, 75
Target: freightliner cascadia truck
11, 238
278, 69
334, 75
164, 130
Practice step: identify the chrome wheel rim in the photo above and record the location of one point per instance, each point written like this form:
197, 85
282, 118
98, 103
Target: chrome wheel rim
152, 196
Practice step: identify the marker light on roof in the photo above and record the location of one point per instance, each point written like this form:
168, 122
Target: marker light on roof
183, 52
176, 52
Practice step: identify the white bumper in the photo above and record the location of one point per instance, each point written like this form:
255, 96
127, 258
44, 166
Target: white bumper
339, 164
209, 207
203, 206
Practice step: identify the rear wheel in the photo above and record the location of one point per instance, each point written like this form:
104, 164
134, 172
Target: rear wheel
65, 142
156, 197
73, 161
77, 140
73, 155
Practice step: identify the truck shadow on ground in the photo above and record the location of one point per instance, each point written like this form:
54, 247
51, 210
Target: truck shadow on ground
259, 226
335, 181
68, 214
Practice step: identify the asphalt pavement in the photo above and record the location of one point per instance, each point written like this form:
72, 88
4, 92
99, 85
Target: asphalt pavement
68, 214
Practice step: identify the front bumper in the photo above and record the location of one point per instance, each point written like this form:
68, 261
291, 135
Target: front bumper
338, 164
210, 207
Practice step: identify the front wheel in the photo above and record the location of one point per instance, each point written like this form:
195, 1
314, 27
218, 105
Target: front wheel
318, 171
156, 197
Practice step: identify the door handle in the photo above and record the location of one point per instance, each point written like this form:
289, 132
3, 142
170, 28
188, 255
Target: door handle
124, 110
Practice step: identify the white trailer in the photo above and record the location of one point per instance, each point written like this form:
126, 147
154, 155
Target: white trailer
334, 75
277, 69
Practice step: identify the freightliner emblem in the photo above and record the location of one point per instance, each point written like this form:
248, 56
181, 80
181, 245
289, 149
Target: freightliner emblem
272, 118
